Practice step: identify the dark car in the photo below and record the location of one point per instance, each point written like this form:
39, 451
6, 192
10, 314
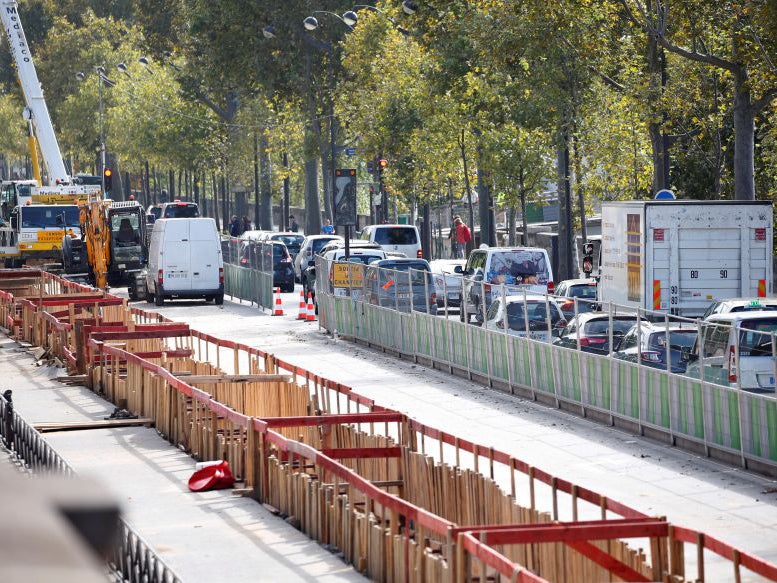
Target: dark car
592, 329
293, 241
646, 344
180, 210
255, 255
401, 284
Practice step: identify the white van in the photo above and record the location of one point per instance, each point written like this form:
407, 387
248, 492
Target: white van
184, 261
395, 238
722, 336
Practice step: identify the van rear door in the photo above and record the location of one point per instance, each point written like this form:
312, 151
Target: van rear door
175, 258
205, 255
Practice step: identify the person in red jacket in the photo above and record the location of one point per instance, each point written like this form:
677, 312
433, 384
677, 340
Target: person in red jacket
463, 236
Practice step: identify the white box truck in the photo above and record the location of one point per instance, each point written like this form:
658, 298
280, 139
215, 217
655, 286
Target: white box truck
678, 256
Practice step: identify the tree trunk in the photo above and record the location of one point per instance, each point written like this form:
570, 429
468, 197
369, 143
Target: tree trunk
326, 180
225, 218
565, 232
257, 197
744, 139
265, 181
524, 219
215, 188
511, 226
312, 204
579, 187
658, 142
471, 218
196, 187
286, 194
487, 235
147, 185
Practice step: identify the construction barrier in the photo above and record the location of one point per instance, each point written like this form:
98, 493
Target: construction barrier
400, 500
248, 271
737, 426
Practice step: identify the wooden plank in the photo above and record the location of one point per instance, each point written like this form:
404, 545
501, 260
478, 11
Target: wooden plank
225, 378
93, 424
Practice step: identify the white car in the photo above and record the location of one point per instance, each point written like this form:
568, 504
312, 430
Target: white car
735, 350
535, 326
395, 238
307, 251
741, 305
447, 281
582, 289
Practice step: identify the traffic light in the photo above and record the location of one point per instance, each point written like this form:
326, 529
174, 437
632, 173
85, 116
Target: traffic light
107, 180
382, 164
588, 258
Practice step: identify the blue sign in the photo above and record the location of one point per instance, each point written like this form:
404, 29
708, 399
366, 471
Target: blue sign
350, 151
665, 194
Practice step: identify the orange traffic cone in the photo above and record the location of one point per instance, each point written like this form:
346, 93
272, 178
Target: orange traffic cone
303, 307
278, 305
311, 309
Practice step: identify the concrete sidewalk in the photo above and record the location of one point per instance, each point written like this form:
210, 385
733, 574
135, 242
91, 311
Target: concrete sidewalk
210, 536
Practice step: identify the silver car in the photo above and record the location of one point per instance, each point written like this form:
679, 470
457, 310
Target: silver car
447, 283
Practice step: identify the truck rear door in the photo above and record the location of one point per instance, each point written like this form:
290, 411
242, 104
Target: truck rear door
205, 256
176, 249
709, 265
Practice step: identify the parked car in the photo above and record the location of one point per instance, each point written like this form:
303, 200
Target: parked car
592, 329
741, 305
528, 319
311, 245
293, 241
401, 284
447, 282
256, 235
282, 271
646, 344
352, 244
583, 289
361, 256
153, 212
717, 343
518, 268
395, 238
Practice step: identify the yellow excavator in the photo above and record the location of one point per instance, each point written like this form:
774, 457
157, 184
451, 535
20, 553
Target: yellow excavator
112, 247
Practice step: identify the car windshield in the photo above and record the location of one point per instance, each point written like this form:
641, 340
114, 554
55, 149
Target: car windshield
518, 267
125, 230
585, 291
678, 339
755, 308
43, 217
181, 210
156, 211
279, 252
291, 241
599, 326
390, 271
536, 310
755, 336
318, 244
396, 236
365, 259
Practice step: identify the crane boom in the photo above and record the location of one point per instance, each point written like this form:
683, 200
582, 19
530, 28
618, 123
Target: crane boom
33, 94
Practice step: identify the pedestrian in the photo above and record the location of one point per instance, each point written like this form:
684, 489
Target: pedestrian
327, 229
234, 227
246, 224
293, 226
452, 238
463, 236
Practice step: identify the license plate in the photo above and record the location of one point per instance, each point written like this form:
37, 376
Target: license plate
454, 296
404, 296
122, 265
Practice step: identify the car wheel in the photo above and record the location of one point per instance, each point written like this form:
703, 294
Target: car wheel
288, 289
159, 299
209, 298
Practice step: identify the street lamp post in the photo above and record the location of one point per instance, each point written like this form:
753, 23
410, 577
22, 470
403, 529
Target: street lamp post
102, 79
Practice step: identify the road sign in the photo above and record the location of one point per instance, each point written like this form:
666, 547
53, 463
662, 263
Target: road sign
347, 275
665, 194
350, 151
345, 197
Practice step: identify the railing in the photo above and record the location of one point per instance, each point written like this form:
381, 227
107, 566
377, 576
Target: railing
693, 413
248, 270
133, 560
330, 459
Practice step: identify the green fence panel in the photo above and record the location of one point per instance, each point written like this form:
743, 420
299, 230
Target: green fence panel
655, 396
570, 380
497, 353
543, 366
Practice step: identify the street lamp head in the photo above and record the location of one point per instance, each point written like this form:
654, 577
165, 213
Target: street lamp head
269, 31
143, 61
167, 55
80, 76
409, 7
350, 18
310, 23
100, 70
122, 67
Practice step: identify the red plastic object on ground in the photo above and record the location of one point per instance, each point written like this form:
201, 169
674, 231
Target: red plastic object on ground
215, 477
